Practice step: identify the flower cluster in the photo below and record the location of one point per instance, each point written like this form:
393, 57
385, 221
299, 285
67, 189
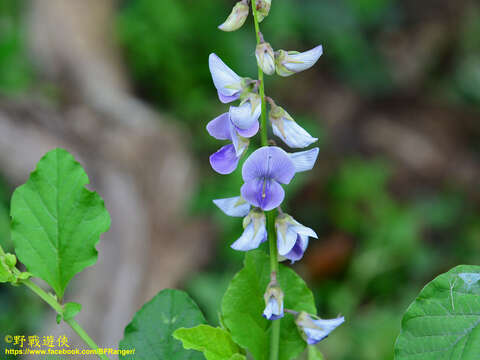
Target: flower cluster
268, 168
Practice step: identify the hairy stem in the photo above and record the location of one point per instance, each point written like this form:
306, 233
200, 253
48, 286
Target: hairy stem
272, 241
50, 300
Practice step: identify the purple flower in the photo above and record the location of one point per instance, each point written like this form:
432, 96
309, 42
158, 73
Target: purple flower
234, 206
313, 329
291, 62
247, 114
292, 237
229, 85
273, 302
225, 160
266, 169
255, 231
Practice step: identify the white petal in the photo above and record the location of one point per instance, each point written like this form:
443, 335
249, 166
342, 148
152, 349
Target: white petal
295, 135
225, 79
239, 143
303, 61
249, 239
304, 160
303, 230
234, 206
287, 242
243, 116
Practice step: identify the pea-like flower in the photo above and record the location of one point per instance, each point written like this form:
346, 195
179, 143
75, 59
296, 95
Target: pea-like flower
225, 160
229, 85
237, 17
247, 113
234, 206
273, 302
287, 129
291, 62
255, 231
267, 168
292, 237
313, 329
265, 58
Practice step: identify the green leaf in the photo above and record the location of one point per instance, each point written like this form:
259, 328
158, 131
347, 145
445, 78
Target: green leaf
150, 332
56, 221
444, 320
70, 310
243, 305
215, 343
314, 353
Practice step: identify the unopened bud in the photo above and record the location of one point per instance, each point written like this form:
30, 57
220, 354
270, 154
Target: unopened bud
265, 58
236, 18
263, 9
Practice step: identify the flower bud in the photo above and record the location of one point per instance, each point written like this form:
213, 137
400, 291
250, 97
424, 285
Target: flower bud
265, 58
236, 18
263, 9
273, 302
291, 62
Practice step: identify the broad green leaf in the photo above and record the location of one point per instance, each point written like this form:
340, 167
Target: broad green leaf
314, 353
444, 320
150, 332
215, 343
56, 221
243, 305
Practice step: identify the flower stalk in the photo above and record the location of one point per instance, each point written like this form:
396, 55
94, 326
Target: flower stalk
272, 241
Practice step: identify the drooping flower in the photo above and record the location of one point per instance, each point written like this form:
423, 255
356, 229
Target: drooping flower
313, 329
288, 130
265, 58
234, 206
291, 62
292, 237
225, 160
273, 302
267, 168
229, 85
255, 231
237, 17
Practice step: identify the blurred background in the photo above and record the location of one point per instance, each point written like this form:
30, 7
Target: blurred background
125, 86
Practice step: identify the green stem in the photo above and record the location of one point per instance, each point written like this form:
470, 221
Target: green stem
272, 241
50, 300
